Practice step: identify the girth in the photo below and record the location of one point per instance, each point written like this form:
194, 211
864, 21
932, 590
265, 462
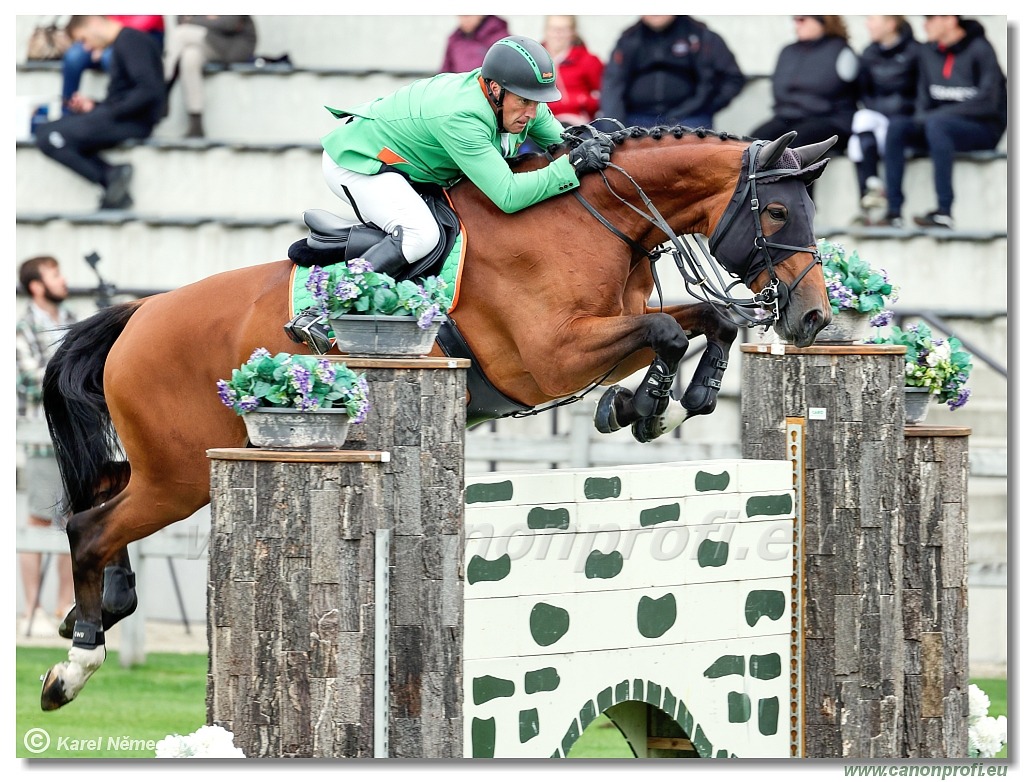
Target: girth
485, 401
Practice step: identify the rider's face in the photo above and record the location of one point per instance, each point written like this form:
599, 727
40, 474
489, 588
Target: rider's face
517, 112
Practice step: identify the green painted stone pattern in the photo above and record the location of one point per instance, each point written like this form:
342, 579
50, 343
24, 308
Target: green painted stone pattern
601, 565
765, 666
602, 488
529, 725
739, 707
712, 553
486, 688
548, 623
482, 735
660, 514
770, 505
489, 492
768, 716
541, 680
547, 518
706, 481
726, 665
480, 569
654, 617
764, 602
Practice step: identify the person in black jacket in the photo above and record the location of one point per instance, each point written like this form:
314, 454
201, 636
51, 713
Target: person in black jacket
960, 106
669, 70
814, 84
133, 106
888, 86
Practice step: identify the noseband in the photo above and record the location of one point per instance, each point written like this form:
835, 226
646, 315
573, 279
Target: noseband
702, 278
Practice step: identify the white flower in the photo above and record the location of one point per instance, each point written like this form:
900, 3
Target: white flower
977, 703
932, 359
943, 351
987, 736
209, 741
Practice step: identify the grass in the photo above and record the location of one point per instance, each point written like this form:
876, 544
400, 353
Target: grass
168, 695
143, 703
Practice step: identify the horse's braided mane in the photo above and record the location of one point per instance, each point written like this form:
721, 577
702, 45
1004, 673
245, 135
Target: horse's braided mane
577, 134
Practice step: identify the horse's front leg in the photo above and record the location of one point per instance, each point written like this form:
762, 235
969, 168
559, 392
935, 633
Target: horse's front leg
620, 407
701, 395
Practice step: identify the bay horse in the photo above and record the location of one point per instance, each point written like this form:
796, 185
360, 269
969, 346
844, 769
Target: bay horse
550, 303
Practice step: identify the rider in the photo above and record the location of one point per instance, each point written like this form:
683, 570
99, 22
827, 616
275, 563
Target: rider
440, 129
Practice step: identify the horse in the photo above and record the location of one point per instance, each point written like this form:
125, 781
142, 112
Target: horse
550, 303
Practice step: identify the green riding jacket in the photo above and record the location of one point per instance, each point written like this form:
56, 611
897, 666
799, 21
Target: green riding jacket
443, 128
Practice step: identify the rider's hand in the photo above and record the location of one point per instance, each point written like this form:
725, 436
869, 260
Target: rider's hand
593, 154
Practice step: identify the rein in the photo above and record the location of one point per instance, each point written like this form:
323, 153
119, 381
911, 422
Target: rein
696, 279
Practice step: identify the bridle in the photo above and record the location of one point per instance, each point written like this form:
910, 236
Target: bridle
702, 276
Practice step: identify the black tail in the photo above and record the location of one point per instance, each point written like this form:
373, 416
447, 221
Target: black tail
84, 440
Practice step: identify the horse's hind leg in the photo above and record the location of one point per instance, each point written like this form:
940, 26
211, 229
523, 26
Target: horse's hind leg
118, 600
98, 538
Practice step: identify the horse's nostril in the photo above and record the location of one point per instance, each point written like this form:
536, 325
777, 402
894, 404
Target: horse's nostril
813, 317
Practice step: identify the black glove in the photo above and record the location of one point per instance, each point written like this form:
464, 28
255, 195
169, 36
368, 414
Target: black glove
593, 154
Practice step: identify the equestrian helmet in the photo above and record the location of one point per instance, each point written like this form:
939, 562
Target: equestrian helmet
521, 66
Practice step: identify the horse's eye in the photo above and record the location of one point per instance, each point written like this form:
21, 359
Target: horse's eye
778, 213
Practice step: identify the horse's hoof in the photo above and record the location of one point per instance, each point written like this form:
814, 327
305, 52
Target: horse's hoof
650, 428
53, 696
605, 420
67, 627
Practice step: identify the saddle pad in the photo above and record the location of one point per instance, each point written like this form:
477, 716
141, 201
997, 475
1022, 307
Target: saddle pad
451, 273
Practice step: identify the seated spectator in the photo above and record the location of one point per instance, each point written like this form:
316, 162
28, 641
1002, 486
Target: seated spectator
470, 41
961, 106
577, 72
814, 84
888, 85
77, 60
134, 104
196, 41
669, 70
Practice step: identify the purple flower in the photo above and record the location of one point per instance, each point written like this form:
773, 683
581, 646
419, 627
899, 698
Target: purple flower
883, 318
961, 399
226, 393
325, 372
248, 403
346, 290
428, 316
302, 379
359, 266
259, 353
316, 283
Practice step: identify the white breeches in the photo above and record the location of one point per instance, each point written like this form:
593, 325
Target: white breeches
867, 121
387, 200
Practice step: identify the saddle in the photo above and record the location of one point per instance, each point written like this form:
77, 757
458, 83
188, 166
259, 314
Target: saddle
333, 239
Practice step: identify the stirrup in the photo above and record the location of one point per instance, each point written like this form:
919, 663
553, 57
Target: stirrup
309, 327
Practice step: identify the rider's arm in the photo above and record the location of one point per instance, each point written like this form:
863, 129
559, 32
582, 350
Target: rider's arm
469, 143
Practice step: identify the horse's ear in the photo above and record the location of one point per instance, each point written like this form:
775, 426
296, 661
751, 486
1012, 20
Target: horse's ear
772, 151
813, 152
812, 172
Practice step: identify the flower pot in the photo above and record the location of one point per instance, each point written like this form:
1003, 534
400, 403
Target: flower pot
847, 327
383, 335
300, 430
917, 401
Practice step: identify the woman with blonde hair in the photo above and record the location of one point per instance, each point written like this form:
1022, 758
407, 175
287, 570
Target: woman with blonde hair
577, 71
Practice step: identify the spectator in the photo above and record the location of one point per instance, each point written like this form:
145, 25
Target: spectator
888, 84
814, 84
961, 106
669, 70
196, 41
470, 41
577, 72
77, 60
131, 109
38, 335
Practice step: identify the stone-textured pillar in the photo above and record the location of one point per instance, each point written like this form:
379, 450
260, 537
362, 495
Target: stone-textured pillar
934, 539
852, 401
292, 569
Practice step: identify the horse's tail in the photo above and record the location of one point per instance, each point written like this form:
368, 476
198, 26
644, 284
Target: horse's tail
88, 452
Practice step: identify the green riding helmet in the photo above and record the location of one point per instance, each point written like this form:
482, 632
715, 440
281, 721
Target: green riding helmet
522, 66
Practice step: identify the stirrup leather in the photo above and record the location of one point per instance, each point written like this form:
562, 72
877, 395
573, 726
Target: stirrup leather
309, 327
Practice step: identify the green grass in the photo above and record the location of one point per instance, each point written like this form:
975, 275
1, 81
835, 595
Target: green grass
145, 702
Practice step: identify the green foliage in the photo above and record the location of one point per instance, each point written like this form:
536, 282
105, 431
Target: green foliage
294, 380
853, 284
942, 366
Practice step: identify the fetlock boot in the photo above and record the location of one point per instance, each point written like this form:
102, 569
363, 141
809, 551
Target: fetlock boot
195, 126
386, 256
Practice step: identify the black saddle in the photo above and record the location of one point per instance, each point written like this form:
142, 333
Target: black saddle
333, 239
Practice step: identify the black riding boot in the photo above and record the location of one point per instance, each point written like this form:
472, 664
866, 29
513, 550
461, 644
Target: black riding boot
386, 255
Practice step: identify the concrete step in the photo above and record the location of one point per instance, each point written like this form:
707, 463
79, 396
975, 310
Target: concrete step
987, 507
981, 201
417, 41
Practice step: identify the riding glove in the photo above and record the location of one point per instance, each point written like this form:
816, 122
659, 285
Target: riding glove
593, 154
